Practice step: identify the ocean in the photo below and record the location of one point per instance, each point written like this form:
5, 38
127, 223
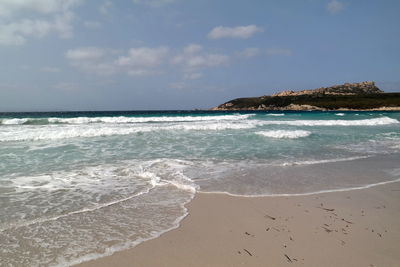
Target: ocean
76, 186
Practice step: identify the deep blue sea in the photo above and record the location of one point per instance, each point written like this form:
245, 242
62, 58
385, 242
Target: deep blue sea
80, 185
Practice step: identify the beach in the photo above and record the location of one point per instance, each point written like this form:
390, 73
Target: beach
349, 228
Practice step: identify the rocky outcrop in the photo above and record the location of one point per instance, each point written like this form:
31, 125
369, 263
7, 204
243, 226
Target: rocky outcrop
343, 89
302, 107
348, 96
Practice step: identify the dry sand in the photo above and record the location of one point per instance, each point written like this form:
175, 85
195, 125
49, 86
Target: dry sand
353, 228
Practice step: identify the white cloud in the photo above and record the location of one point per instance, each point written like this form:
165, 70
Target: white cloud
192, 57
154, 3
335, 6
192, 49
10, 7
279, 52
16, 33
89, 24
249, 52
105, 7
45, 17
85, 53
143, 57
241, 32
90, 59
137, 61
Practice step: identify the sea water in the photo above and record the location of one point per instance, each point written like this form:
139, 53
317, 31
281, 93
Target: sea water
76, 186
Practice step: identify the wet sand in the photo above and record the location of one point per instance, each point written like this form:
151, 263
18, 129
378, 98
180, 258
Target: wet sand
353, 228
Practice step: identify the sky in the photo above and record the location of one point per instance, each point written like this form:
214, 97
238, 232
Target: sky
59, 55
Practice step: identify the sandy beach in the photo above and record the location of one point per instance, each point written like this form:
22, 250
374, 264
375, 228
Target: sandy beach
351, 228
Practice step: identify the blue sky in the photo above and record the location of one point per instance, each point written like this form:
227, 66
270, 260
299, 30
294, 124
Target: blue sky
186, 54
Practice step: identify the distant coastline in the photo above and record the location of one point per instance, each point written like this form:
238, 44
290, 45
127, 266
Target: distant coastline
364, 96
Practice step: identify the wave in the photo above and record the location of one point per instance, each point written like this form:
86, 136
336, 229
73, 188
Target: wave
345, 189
14, 121
366, 122
276, 114
311, 162
339, 114
95, 180
32, 134
285, 134
122, 119
74, 131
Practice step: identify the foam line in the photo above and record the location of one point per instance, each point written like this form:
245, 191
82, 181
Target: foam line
305, 194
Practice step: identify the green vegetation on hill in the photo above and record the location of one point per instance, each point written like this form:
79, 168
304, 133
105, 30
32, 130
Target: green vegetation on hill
323, 101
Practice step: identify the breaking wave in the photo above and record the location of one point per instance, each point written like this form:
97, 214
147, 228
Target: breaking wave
285, 134
366, 122
72, 131
122, 119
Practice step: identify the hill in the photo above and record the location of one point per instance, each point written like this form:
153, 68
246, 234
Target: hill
348, 96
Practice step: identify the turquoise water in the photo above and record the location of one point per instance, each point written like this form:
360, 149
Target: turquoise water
80, 185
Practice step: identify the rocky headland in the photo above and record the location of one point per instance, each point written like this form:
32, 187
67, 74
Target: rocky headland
348, 96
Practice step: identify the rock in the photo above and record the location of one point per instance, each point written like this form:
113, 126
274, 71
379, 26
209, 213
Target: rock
302, 107
344, 89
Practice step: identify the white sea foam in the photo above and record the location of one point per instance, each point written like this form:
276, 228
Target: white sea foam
13, 121
85, 120
56, 132
339, 114
346, 189
366, 122
276, 114
285, 134
311, 162
157, 211
218, 126
123, 119
102, 179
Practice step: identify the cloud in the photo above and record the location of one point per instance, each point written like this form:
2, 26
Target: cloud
279, 52
193, 57
45, 17
154, 3
137, 61
90, 59
9, 8
89, 24
334, 6
249, 52
192, 49
143, 57
105, 7
241, 32
140, 61
85, 53
16, 33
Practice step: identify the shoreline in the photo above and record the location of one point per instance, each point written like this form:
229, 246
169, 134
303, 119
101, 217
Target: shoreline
346, 228
307, 108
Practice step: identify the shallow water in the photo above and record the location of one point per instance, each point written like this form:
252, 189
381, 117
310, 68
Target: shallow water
76, 186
